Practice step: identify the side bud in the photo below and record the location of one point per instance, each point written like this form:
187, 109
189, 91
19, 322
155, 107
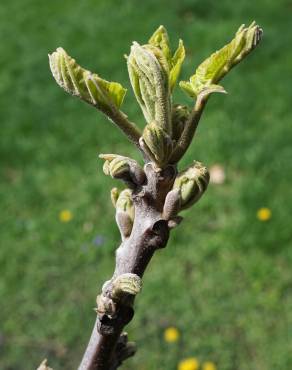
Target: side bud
192, 183
126, 285
124, 168
105, 305
157, 144
180, 114
125, 213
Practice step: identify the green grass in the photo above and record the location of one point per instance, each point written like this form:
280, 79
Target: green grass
225, 278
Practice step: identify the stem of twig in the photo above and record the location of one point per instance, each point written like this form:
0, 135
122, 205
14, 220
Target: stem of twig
189, 131
107, 348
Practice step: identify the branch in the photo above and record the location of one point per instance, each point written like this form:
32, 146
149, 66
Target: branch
107, 348
129, 128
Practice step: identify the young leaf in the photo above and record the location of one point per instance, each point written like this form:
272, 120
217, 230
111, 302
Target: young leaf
213, 69
160, 40
176, 64
149, 78
86, 85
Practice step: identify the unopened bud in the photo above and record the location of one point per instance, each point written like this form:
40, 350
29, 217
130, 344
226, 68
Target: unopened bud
180, 114
114, 196
124, 203
125, 285
125, 213
192, 183
158, 143
124, 168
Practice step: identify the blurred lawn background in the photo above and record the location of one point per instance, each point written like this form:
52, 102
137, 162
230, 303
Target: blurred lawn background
224, 281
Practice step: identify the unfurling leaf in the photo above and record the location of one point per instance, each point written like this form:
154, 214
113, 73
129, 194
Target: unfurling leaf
213, 69
176, 62
84, 84
124, 168
192, 183
148, 73
157, 143
160, 40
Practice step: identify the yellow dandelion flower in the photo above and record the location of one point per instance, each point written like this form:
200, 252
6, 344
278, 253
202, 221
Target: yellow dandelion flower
171, 334
65, 215
264, 214
209, 366
188, 364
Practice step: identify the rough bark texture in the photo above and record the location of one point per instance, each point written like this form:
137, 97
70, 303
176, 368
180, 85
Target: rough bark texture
107, 348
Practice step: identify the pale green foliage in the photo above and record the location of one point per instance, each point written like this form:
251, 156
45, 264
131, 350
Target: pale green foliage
214, 68
82, 83
192, 183
160, 40
148, 73
153, 71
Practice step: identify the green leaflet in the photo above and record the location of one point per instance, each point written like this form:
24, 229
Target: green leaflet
213, 69
177, 61
80, 82
160, 40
